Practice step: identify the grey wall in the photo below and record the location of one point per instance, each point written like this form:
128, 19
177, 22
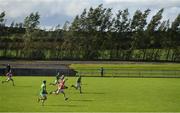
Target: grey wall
39, 72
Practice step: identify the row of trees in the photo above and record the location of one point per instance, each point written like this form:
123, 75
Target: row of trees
95, 34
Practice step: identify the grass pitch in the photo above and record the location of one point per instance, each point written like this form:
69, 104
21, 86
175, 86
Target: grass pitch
99, 95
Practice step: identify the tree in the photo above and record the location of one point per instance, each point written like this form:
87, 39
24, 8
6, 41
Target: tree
97, 23
139, 39
176, 24
2, 15
66, 26
175, 40
165, 39
151, 33
155, 21
138, 24
121, 28
31, 22
12, 24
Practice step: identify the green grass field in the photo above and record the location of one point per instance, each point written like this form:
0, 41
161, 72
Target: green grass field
99, 95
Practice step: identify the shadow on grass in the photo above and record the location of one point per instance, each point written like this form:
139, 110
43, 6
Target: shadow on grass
83, 100
22, 86
100, 93
58, 105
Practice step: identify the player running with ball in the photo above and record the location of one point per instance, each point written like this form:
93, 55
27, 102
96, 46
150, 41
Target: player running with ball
61, 87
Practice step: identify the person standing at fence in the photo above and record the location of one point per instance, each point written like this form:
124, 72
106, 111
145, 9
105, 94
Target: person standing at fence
102, 71
8, 68
43, 93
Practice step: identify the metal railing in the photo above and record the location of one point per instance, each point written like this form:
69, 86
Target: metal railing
130, 73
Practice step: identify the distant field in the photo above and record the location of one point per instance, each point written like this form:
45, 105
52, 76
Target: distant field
99, 95
146, 69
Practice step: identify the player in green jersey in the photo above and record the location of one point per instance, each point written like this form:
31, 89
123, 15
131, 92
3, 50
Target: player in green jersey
43, 93
78, 84
57, 79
